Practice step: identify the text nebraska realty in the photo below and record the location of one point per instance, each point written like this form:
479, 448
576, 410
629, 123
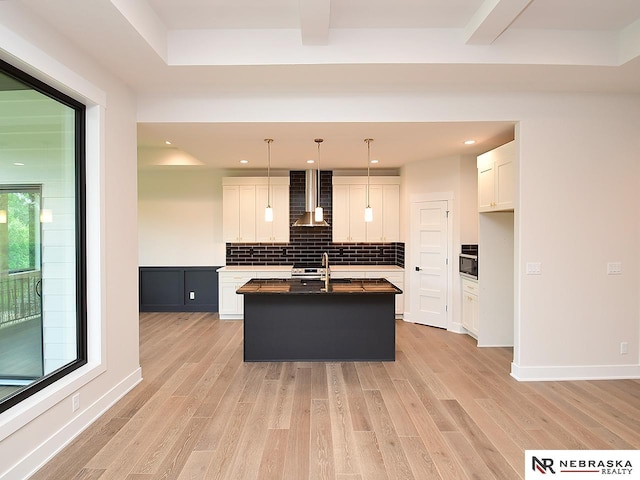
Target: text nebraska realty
606, 467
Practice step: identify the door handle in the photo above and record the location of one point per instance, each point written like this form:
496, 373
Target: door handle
418, 269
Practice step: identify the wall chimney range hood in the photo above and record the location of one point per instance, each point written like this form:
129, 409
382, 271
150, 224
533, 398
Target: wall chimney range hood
310, 195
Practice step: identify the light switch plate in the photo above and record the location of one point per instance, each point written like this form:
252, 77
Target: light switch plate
534, 268
614, 268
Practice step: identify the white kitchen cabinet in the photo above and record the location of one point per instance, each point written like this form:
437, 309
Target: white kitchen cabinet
230, 304
496, 179
239, 213
385, 202
349, 202
470, 317
278, 229
348, 223
243, 202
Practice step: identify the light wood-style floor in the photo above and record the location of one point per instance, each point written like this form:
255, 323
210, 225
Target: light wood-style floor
445, 409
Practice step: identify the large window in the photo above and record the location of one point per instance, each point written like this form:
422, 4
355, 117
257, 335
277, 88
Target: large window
42, 264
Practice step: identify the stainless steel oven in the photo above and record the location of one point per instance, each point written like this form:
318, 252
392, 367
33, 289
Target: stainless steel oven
468, 261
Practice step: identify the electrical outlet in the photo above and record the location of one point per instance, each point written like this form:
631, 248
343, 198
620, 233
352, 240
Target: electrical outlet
624, 348
75, 402
192, 295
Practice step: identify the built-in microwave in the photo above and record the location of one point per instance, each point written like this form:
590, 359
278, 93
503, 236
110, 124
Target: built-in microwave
468, 262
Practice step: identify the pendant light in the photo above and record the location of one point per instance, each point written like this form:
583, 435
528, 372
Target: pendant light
319, 213
368, 211
268, 211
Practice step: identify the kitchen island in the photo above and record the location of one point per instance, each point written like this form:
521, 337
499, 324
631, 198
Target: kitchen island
301, 320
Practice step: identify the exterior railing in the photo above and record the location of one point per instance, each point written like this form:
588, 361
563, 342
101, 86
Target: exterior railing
20, 297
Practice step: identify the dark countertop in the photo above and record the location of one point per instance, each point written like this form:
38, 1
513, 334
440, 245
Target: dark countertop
338, 286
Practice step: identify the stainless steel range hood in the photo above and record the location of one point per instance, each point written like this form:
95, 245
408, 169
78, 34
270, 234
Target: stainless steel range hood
310, 195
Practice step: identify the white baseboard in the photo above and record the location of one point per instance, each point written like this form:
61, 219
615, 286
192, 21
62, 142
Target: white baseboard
590, 372
46, 450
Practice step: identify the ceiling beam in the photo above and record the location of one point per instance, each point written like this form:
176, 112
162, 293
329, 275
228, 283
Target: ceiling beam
629, 40
314, 21
146, 22
492, 19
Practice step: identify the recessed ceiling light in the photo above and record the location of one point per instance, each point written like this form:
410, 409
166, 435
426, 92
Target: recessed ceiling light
374, 161
18, 164
469, 142
244, 161
311, 161
167, 142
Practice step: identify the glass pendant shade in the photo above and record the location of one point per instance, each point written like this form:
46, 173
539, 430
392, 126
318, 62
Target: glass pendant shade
368, 214
268, 214
319, 214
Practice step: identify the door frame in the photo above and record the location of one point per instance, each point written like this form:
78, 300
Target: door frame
430, 197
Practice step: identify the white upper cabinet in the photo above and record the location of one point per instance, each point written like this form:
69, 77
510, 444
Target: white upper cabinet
349, 202
278, 229
243, 202
239, 213
385, 202
496, 179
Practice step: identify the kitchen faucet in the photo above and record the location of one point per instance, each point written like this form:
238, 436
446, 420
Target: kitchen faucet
327, 274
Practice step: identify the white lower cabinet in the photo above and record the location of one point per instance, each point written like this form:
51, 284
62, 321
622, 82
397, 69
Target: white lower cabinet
230, 304
470, 318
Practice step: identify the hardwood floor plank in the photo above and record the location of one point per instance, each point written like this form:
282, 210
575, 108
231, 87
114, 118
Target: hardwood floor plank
297, 462
365, 375
360, 420
201, 412
420, 461
467, 456
479, 441
177, 456
196, 465
394, 457
319, 383
254, 435
274, 455
88, 474
430, 433
221, 459
342, 424
221, 416
321, 461
402, 423
370, 456
281, 414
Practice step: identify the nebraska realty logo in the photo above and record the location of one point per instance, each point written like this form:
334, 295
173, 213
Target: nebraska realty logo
581, 464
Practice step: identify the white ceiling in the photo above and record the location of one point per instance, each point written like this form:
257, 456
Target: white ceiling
346, 47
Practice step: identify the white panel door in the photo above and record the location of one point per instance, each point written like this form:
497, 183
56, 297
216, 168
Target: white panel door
429, 282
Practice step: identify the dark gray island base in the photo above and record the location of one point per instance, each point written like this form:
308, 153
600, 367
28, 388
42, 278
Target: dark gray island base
294, 320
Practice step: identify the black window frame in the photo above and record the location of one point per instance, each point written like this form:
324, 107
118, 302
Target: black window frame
80, 235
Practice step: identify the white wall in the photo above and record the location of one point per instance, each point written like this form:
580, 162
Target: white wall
579, 204
180, 217
35, 429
